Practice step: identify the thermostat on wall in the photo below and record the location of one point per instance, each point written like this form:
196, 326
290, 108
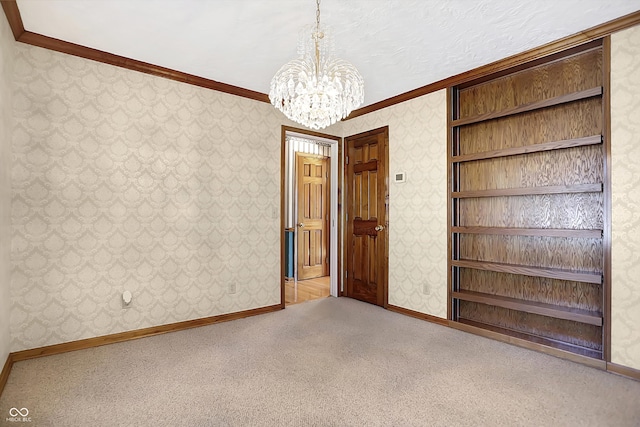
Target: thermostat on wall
399, 177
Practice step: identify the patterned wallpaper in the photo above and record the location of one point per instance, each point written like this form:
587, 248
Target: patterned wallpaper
418, 207
125, 181
625, 176
6, 74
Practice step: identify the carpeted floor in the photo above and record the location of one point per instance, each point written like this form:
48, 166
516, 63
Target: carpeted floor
330, 362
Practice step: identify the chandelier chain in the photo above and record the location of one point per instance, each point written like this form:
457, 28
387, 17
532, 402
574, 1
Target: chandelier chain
316, 37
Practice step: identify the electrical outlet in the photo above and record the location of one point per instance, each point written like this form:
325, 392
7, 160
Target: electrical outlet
425, 289
126, 299
232, 288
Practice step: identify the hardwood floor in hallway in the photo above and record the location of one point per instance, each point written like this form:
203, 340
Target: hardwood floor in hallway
306, 290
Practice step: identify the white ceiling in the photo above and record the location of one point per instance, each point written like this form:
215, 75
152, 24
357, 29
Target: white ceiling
397, 45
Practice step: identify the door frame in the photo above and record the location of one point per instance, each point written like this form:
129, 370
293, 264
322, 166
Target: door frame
335, 219
345, 197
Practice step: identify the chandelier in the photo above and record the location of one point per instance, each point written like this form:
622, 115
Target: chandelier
316, 90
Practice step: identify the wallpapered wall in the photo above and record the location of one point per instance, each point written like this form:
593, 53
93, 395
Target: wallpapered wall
125, 181
6, 75
625, 179
418, 207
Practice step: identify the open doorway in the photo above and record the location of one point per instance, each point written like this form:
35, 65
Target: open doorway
309, 216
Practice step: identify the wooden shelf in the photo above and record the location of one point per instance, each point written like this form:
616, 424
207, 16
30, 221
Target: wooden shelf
561, 345
571, 97
506, 132
549, 310
551, 273
528, 191
544, 232
528, 149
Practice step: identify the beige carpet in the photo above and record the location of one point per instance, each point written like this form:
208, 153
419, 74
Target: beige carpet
331, 362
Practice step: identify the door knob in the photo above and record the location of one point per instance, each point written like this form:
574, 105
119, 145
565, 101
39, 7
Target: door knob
379, 227
300, 224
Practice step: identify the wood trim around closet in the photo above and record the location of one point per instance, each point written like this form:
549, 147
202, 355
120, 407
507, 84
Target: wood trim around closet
607, 208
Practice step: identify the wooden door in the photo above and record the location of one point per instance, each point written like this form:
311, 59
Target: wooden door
312, 216
366, 247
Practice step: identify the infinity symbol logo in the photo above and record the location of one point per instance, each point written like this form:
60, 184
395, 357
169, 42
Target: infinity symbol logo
14, 412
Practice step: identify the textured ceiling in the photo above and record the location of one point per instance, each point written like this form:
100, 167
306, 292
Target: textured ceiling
398, 45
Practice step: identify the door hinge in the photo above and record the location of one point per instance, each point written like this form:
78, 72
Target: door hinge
346, 274
347, 160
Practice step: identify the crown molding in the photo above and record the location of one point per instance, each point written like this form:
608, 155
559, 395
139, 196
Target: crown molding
548, 49
13, 16
21, 35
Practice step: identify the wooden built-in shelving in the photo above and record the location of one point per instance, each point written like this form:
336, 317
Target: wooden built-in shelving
559, 312
527, 149
546, 103
548, 342
550, 273
527, 190
546, 232
530, 191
